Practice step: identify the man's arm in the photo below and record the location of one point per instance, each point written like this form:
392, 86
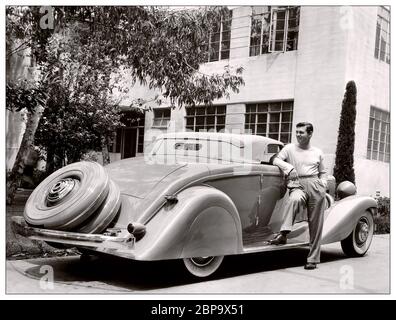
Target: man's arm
283, 165
280, 162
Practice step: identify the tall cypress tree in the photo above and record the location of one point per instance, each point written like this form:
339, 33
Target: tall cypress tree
343, 169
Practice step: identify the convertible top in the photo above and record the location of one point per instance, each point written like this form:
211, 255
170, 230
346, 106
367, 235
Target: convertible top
258, 145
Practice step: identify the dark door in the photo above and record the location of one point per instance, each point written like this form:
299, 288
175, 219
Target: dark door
129, 137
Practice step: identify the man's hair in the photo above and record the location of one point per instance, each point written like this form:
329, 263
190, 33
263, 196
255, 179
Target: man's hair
308, 125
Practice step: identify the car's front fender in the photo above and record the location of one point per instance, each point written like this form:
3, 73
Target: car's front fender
203, 222
343, 215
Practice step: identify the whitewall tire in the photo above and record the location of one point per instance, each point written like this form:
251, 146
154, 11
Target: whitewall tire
68, 197
202, 266
358, 242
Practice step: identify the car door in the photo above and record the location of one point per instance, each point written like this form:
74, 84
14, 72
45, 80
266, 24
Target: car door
243, 187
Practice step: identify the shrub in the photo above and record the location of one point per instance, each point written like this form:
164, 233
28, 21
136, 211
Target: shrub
39, 176
91, 156
382, 219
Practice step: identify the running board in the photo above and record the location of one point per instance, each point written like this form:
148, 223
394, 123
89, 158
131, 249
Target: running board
273, 247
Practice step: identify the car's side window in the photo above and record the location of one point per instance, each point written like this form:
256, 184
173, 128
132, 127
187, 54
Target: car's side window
273, 148
188, 146
270, 153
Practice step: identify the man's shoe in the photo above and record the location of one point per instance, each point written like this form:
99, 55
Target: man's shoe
279, 239
310, 266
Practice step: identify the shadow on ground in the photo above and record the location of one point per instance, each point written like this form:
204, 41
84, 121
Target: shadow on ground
129, 275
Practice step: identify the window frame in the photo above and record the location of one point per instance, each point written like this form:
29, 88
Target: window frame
221, 40
205, 115
162, 118
383, 128
253, 126
271, 46
379, 32
272, 38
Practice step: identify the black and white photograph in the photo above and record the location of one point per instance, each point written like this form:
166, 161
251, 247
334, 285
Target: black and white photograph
210, 150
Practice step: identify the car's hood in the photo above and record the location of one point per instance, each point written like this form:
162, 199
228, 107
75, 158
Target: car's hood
137, 177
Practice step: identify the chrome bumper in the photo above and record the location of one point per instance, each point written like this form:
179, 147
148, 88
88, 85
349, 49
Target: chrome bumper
121, 245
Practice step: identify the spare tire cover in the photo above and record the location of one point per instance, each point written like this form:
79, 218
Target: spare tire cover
68, 197
105, 213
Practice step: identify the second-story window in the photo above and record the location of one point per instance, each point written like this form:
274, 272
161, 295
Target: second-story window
382, 45
219, 38
274, 29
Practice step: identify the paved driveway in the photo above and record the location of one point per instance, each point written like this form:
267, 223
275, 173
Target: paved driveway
265, 273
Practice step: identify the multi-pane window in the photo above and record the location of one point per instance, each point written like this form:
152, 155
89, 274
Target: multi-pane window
382, 37
210, 118
219, 38
378, 145
162, 117
270, 119
274, 29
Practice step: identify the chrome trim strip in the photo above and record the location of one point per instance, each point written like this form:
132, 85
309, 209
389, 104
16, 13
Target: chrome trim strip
158, 206
269, 247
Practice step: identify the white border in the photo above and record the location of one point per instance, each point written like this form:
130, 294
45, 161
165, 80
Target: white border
195, 297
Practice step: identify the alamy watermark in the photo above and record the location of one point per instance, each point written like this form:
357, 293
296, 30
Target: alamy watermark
47, 280
347, 19
47, 19
347, 278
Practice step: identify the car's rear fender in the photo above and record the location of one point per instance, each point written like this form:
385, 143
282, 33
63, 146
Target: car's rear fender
343, 215
203, 222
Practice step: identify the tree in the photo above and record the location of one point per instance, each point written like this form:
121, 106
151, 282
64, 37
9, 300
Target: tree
80, 114
160, 47
15, 176
343, 169
24, 96
23, 34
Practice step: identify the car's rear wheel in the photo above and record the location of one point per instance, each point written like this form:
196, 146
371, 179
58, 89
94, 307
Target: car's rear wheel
358, 242
68, 197
202, 266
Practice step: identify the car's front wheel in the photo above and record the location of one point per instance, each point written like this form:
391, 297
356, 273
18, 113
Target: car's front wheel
358, 242
202, 266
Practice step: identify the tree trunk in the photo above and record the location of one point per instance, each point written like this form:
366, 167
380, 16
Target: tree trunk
105, 151
16, 174
49, 161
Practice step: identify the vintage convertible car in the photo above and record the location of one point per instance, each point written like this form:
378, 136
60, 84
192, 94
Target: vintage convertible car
196, 197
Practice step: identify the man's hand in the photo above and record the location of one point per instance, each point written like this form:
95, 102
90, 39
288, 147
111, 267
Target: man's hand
292, 175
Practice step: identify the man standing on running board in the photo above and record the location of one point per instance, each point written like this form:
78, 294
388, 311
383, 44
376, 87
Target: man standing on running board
303, 166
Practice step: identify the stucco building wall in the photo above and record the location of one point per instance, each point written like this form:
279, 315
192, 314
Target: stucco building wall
335, 45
